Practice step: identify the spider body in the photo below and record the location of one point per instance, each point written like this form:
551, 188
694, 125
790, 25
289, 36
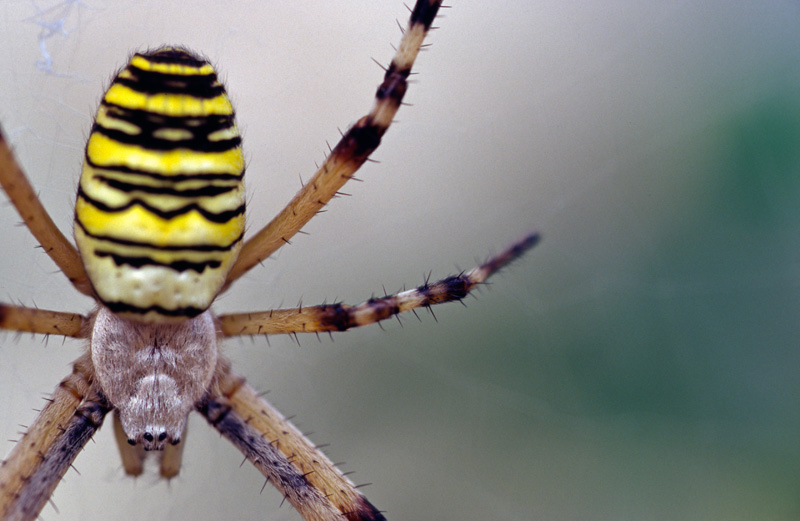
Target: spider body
159, 216
153, 373
159, 221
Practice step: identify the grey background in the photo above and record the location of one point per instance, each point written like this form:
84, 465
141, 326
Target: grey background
641, 363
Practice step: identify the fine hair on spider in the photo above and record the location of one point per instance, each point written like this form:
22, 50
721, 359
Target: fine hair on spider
159, 227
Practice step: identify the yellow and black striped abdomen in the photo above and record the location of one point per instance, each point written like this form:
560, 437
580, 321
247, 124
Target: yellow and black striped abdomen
159, 216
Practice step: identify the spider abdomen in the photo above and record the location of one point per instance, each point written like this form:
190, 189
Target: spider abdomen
159, 217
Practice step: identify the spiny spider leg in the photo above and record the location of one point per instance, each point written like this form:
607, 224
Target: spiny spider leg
348, 155
340, 317
289, 461
47, 449
24, 198
33, 320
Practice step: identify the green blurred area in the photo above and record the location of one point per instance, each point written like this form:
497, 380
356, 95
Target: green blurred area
640, 364
646, 363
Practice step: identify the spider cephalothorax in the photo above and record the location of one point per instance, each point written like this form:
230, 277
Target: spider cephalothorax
159, 225
153, 373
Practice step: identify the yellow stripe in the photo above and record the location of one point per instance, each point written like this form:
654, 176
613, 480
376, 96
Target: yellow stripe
168, 104
106, 152
100, 191
170, 68
137, 224
110, 122
162, 256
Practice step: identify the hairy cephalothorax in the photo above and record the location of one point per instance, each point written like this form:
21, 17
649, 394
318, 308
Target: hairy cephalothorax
153, 373
159, 222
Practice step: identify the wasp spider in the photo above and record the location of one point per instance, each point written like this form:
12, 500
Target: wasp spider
159, 227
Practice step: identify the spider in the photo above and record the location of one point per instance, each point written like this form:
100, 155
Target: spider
159, 227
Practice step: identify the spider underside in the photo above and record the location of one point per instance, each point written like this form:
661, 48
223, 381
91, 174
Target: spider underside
204, 380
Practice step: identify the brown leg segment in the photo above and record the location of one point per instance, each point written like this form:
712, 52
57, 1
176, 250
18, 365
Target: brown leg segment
171, 458
349, 154
340, 317
132, 456
306, 477
32, 320
36, 218
39, 460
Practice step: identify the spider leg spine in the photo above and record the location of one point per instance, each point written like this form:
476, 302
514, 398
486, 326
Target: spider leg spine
35, 320
340, 317
40, 459
24, 198
282, 453
349, 153
277, 469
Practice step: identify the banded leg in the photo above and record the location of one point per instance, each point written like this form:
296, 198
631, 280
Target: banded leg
45, 452
340, 317
303, 474
38, 221
349, 154
32, 320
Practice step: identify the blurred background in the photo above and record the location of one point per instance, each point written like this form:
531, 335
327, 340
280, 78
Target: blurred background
640, 363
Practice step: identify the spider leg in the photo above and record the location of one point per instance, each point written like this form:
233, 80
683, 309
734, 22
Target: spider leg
45, 452
33, 320
171, 458
348, 155
303, 474
340, 317
133, 456
24, 198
